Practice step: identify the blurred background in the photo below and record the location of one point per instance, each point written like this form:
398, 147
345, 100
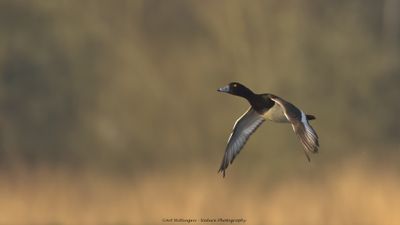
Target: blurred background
109, 112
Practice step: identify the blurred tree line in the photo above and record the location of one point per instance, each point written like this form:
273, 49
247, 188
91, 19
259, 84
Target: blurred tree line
130, 84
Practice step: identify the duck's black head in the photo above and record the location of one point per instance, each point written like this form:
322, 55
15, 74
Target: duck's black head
235, 88
258, 102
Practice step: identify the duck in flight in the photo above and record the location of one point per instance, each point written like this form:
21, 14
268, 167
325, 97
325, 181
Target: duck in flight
266, 107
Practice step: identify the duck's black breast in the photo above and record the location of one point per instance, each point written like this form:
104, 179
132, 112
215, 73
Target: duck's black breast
261, 103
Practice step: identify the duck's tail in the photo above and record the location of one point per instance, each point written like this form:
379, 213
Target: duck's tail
310, 117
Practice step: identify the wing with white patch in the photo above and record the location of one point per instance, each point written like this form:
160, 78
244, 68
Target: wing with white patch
242, 130
307, 135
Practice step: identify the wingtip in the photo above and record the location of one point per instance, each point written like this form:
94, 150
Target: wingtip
316, 150
222, 171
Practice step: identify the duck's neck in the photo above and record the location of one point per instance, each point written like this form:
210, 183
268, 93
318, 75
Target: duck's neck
254, 99
257, 102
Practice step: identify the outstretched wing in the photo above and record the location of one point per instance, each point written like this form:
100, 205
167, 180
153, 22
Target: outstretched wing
307, 135
242, 130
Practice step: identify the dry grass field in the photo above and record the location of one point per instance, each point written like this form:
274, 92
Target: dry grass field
347, 194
